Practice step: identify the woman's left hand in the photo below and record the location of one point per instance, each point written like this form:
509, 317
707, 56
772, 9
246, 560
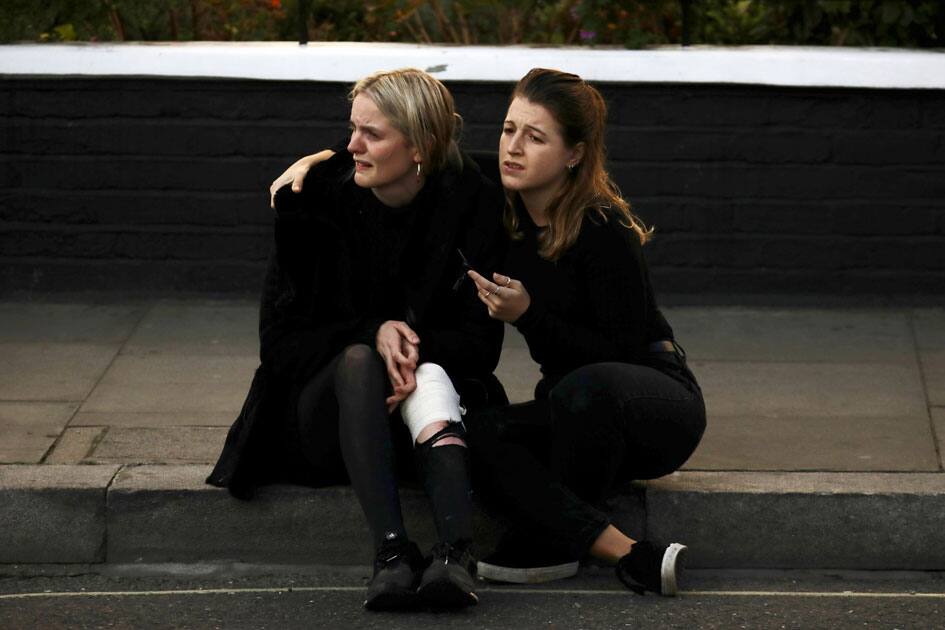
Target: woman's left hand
296, 173
397, 343
505, 298
407, 366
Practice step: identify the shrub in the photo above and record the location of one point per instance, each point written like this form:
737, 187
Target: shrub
628, 23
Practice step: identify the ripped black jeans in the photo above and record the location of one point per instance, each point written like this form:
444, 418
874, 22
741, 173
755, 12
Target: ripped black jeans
549, 464
344, 433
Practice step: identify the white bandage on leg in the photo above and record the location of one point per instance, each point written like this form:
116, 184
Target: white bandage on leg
434, 400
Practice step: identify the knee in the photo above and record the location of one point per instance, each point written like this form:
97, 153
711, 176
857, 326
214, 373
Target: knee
358, 353
432, 407
431, 373
584, 403
577, 393
357, 359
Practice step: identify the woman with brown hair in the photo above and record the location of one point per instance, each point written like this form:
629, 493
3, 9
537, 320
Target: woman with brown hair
616, 401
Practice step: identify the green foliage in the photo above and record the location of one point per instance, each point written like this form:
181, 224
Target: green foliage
906, 23
627, 23
139, 20
633, 24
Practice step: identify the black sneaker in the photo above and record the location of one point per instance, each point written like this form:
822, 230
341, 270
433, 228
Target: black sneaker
651, 566
449, 581
521, 561
397, 569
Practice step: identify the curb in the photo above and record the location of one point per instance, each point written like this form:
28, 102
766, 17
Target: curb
165, 513
803, 520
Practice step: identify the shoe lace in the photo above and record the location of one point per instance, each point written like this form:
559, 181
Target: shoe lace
445, 551
390, 552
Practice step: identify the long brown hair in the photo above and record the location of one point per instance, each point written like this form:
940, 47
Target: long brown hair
581, 114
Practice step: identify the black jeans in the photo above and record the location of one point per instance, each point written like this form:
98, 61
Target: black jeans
549, 464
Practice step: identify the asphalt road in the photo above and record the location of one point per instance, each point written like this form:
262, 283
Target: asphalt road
250, 597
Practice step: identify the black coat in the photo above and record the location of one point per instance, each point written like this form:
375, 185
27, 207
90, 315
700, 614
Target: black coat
307, 312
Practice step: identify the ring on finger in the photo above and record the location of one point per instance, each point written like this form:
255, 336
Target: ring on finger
508, 281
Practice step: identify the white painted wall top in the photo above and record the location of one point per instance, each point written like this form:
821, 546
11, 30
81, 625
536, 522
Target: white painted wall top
346, 62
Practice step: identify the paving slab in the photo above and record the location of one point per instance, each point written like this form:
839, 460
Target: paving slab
802, 520
71, 323
929, 325
808, 389
75, 445
170, 445
152, 419
933, 371
835, 390
191, 329
51, 371
53, 513
828, 444
27, 430
168, 514
938, 425
173, 384
513, 338
806, 335
518, 374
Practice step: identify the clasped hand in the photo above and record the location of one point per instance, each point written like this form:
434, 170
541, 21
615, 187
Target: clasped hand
399, 346
505, 298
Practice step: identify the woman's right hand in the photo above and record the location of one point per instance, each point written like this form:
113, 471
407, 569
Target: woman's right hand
296, 173
507, 306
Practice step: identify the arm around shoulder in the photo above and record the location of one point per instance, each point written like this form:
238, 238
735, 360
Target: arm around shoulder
295, 175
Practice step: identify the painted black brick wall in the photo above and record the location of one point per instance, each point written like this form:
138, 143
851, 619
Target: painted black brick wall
159, 184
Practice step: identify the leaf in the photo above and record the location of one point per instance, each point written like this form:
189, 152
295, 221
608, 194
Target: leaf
65, 32
889, 14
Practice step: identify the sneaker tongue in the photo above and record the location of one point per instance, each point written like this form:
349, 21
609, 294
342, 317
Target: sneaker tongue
444, 550
456, 552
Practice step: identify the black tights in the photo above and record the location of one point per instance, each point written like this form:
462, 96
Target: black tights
344, 427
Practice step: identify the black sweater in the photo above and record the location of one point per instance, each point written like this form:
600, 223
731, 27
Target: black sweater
314, 300
594, 304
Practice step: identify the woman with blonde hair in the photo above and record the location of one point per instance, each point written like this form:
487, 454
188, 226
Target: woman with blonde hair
616, 401
366, 321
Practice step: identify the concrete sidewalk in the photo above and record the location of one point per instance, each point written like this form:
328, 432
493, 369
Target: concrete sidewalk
823, 450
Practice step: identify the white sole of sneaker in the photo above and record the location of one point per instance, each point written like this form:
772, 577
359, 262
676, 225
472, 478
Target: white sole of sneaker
672, 564
527, 575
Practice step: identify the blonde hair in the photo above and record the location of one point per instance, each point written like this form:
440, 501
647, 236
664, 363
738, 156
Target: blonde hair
421, 108
581, 113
